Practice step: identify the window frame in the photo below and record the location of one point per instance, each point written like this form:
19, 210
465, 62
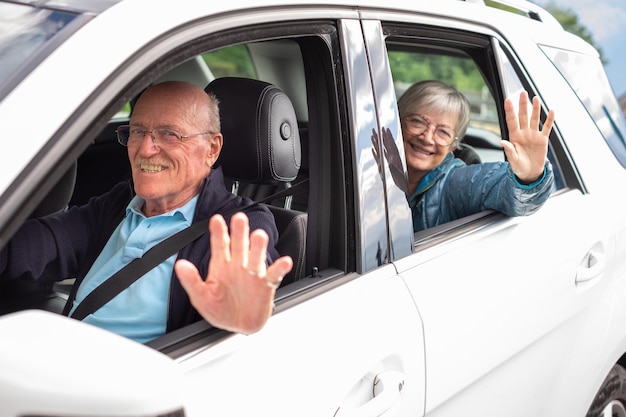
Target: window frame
480, 46
329, 236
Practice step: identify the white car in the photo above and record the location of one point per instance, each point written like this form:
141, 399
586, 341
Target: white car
484, 316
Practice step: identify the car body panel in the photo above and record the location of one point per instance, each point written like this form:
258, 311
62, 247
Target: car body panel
332, 356
518, 314
400, 221
369, 186
482, 326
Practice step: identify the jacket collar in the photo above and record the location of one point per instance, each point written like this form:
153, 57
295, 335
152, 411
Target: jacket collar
433, 176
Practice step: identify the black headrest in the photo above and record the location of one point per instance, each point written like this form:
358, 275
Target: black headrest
260, 129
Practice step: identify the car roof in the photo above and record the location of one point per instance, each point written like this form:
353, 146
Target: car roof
521, 7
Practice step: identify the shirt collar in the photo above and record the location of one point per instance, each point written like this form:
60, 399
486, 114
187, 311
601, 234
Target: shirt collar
187, 210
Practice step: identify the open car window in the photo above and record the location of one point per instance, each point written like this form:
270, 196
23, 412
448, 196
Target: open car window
475, 69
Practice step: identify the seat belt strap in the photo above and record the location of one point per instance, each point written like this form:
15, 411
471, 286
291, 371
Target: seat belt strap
138, 267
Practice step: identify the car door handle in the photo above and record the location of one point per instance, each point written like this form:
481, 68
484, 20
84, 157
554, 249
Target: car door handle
380, 394
591, 266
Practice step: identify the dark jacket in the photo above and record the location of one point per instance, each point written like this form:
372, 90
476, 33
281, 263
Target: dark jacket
66, 245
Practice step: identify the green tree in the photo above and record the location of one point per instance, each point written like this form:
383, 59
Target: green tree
231, 62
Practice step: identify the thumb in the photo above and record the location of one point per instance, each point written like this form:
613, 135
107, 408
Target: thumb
189, 276
509, 149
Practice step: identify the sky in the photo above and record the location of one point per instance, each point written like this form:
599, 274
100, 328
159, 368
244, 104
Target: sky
606, 21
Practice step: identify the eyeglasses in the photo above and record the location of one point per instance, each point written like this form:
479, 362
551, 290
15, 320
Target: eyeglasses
416, 124
164, 138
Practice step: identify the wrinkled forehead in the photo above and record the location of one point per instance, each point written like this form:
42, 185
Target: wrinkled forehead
168, 110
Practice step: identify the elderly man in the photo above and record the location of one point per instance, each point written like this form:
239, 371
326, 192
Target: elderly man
173, 141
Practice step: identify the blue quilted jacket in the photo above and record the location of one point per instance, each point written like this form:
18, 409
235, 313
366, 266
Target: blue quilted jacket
454, 190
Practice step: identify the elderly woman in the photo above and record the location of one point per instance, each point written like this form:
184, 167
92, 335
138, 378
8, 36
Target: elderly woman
442, 188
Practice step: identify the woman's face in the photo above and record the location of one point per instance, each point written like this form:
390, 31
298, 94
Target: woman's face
428, 138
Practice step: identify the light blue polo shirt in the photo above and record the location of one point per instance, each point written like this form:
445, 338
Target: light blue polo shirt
140, 311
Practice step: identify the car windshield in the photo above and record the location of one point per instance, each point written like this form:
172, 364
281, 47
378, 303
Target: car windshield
25, 32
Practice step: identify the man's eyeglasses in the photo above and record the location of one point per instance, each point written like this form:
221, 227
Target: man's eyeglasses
416, 124
164, 138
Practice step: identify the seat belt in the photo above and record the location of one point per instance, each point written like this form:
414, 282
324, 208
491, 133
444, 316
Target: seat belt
134, 270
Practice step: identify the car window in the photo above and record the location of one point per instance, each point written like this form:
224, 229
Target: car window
26, 31
484, 75
513, 83
234, 61
281, 62
595, 92
303, 68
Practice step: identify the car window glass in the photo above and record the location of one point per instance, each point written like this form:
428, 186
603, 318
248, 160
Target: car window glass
512, 86
484, 80
234, 61
25, 31
305, 67
276, 61
594, 91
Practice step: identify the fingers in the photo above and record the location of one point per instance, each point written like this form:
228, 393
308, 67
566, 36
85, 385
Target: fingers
521, 120
258, 252
547, 125
523, 109
277, 271
242, 248
220, 241
374, 138
239, 239
189, 278
509, 149
510, 116
534, 118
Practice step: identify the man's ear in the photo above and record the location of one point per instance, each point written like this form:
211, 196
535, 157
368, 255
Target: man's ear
215, 147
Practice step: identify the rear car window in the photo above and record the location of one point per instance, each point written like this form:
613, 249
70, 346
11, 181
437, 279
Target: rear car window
595, 92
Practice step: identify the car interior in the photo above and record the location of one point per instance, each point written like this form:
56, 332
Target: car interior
258, 114
281, 79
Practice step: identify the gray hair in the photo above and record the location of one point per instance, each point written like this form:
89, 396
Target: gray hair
438, 97
214, 112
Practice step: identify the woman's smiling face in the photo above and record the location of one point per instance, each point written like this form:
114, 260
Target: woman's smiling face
423, 153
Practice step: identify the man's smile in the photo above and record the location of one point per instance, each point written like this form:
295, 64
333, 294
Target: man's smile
152, 167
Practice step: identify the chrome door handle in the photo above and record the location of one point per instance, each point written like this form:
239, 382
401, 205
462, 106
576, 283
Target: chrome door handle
592, 265
385, 390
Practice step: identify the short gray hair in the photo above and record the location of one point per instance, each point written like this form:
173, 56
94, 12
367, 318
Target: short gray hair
214, 112
438, 97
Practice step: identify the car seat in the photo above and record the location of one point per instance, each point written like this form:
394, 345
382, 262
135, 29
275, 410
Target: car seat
58, 198
262, 154
18, 295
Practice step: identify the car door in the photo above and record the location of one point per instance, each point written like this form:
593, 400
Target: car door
347, 338
502, 299
329, 354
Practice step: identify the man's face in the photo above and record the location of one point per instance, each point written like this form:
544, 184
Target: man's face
167, 177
